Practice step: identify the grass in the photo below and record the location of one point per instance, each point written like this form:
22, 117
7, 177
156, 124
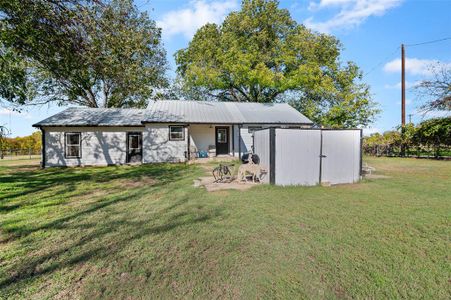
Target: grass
145, 232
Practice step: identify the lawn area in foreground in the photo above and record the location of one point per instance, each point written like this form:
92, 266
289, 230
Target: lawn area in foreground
144, 231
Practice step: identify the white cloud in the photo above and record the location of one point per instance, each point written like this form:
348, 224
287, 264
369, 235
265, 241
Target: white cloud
199, 12
414, 66
352, 12
327, 3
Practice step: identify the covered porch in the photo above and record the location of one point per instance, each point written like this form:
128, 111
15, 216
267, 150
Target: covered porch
213, 141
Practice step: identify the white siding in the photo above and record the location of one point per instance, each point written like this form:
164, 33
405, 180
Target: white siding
236, 136
158, 148
202, 136
246, 137
246, 140
261, 148
99, 145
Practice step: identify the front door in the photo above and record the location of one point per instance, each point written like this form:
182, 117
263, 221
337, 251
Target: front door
222, 140
134, 147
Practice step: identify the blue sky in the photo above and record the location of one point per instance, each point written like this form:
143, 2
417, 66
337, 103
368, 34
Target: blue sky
371, 32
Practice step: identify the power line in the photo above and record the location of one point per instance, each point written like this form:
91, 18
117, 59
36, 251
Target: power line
381, 62
428, 42
406, 45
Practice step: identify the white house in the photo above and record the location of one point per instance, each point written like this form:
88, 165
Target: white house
167, 131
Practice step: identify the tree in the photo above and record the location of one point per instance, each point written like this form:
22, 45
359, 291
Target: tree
260, 54
435, 133
437, 90
15, 84
3, 133
93, 53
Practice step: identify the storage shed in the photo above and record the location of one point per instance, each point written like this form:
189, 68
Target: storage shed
309, 156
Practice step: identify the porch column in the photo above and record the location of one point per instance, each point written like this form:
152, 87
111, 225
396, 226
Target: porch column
233, 140
42, 148
188, 154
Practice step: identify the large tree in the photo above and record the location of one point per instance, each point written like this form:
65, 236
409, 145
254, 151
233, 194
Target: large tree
95, 53
260, 54
437, 90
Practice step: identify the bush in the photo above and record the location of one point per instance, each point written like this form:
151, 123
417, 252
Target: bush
432, 136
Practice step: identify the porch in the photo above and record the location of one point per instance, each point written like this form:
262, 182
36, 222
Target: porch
212, 142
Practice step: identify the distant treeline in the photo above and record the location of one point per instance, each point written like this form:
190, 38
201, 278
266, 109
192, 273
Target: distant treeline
30, 144
428, 138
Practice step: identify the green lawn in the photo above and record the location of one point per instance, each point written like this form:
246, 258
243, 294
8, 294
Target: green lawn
144, 231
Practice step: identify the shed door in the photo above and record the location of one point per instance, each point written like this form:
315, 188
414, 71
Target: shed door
134, 147
341, 156
297, 156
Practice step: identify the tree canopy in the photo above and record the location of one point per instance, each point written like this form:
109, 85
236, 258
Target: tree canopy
94, 53
436, 90
260, 54
432, 134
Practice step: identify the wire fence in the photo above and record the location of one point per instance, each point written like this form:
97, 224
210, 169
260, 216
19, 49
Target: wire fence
28, 153
442, 152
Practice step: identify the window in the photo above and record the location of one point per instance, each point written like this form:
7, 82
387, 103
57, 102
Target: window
176, 133
252, 129
73, 145
222, 135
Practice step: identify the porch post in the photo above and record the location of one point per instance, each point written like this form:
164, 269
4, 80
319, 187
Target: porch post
188, 154
233, 140
239, 141
42, 148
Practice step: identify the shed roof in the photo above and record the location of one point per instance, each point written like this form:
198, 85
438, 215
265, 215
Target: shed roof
177, 111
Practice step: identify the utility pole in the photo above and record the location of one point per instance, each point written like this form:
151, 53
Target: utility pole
403, 86
410, 118
403, 97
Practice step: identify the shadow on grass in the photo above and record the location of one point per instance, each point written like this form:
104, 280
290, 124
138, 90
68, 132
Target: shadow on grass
29, 269
17, 183
96, 239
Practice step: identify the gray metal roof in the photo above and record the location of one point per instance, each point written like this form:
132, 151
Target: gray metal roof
178, 111
223, 112
77, 116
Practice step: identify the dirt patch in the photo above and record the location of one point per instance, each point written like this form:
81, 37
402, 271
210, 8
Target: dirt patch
211, 186
138, 182
376, 176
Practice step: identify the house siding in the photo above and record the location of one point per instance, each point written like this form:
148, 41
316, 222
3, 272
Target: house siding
158, 148
100, 146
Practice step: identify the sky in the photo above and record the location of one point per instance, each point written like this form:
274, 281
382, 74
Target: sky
371, 32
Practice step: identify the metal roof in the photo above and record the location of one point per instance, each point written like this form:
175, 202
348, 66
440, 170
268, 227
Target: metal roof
77, 116
178, 111
223, 112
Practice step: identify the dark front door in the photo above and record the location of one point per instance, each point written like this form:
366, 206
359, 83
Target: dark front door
134, 147
222, 140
